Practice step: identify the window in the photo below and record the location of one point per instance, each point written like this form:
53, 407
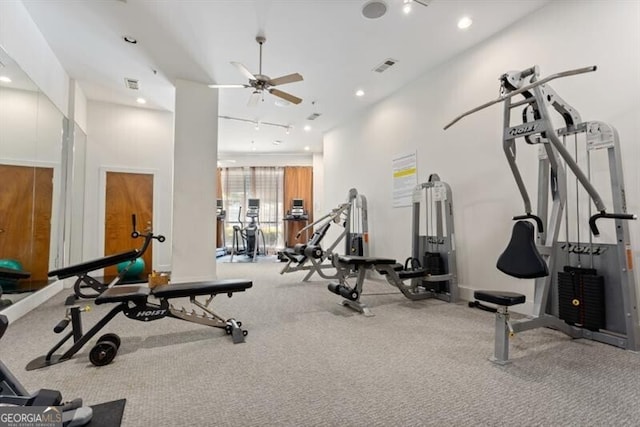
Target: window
263, 183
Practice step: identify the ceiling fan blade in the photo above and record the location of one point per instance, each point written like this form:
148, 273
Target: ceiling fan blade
244, 71
227, 86
254, 99
286, 96
295, 77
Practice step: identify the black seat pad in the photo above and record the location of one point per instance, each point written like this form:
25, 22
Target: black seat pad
500, 297
4, 324
521, 257
180, 290
85, 267
7, 273
364, 260
124, 293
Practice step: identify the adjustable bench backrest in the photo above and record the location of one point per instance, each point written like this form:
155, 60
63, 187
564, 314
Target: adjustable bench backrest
95, 264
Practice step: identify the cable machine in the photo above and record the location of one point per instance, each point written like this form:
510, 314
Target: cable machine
585, 289
433, 242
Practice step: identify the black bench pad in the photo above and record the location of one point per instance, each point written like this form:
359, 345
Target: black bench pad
364, 260
7, 273
500, 297
85, 267
123, 293
180, 290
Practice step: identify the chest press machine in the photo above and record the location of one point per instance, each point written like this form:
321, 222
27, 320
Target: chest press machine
430, 272
573, 299
311, 257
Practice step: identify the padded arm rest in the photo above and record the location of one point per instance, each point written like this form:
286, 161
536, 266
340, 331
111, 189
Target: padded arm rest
180, 290
85, 267
7, 273
364, 260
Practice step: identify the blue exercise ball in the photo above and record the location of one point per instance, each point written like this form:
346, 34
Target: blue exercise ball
10, 264
135, 271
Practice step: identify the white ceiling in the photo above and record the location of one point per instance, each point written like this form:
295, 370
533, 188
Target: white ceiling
329, 42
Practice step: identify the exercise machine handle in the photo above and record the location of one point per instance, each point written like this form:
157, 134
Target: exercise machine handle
61, 325
522, 89
594, 218
533, 217
134, 233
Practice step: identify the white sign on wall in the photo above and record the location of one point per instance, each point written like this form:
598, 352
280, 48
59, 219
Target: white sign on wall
405, 179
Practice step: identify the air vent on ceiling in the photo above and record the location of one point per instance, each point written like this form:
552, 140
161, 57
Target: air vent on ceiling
314, 116
131, 83
386, 64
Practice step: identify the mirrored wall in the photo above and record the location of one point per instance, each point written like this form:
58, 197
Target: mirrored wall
32, 131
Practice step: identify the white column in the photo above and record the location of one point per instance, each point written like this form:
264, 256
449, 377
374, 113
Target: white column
194, 183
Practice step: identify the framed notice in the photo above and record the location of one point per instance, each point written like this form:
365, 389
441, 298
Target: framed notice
405, 179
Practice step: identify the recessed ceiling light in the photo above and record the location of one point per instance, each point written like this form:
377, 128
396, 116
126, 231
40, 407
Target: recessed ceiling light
306, 148
406, 7
141, 101
464, 23
130, 39
307, 128
359, 92
5, 79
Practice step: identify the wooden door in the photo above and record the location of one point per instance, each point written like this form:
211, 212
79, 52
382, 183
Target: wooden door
127, 194
25, 220
298, 184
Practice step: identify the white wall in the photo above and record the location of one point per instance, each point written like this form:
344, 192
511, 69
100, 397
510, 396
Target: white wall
563, 35
128, 139
22, 40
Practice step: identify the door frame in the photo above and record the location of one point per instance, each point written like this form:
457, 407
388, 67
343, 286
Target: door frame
56, 227
102, 203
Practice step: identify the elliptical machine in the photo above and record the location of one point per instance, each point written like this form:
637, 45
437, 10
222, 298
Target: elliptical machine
250, 234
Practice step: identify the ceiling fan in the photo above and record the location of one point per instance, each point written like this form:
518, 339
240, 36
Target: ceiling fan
260, 82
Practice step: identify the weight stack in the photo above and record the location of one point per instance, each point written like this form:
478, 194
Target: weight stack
581, 298
434, 265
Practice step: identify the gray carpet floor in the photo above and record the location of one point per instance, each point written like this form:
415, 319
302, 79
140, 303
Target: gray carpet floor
308, 361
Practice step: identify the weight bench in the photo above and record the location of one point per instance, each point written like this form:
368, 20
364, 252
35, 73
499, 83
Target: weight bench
133, 301
394, 273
